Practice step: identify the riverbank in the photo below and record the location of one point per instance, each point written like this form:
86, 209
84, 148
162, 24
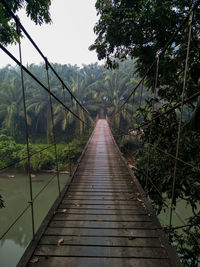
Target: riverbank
42, 156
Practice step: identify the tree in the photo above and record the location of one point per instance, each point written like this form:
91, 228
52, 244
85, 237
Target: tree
139, 29
79, 88
39, 107
114, 88
38, 11
83, 83
11, 111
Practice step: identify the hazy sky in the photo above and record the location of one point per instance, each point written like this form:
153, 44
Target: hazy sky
66, 40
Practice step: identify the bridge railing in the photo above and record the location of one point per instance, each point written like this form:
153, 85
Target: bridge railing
139, 129
44, 87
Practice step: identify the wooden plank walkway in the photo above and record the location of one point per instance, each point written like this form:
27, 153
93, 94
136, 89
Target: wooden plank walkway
104, 218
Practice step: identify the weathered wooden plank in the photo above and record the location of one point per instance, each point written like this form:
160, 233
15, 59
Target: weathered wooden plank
101, 224
95, 251
102, 183
103, 201
102, 211
94, 197
100, 190
107, 178
101, 186
75, 205
109, 217
102, 170
102, 241
98, 262
97, 182
101, 180
100, 176
102, 232
128, 195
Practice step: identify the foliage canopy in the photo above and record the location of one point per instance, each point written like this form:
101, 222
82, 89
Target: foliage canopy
38, 11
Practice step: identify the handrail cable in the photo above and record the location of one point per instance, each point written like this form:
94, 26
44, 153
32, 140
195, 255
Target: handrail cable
152, 115
42, 55
181, 115
142, 89
174, 157
170, 110
53, 127
157, 148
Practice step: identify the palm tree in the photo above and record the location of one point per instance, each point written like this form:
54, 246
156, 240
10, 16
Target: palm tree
82, 85
39, 109
114, 89
11, 108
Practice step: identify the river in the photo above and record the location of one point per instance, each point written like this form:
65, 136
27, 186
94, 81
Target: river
15, 192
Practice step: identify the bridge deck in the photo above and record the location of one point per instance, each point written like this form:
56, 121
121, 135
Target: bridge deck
104, 218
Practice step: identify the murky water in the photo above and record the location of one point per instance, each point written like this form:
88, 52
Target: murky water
179, 218
15, 192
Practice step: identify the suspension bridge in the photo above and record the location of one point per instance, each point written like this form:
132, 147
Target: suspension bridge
102, 217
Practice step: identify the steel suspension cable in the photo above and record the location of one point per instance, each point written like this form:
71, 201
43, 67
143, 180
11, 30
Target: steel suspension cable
181, 115
53, 127
27, 134
141, 93
152, 115
64, 97
132, 102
